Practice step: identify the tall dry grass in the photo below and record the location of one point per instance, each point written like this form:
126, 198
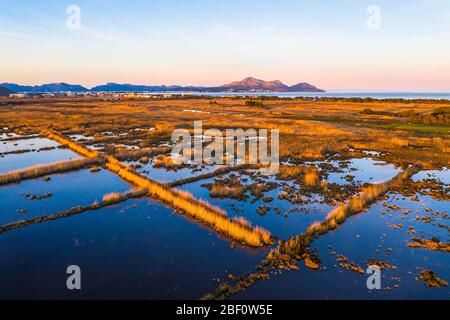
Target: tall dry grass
286, 255
108, 200
215, 173
86, 152
311, 177
44, 170
238, 228
223, 191
129, 155
342, 212
197, 209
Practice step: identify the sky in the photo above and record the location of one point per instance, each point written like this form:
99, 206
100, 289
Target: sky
350, 45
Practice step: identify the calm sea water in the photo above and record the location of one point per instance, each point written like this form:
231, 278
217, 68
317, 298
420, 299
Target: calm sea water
340, 94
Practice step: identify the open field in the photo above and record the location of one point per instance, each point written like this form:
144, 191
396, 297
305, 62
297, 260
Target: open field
361, 183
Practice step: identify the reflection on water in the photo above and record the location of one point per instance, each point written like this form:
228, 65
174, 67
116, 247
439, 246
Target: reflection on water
138, 249
141, 249
292, 219
442, 176
26, 144
361, 238
68, 190
24, 160
164, 175
364, 170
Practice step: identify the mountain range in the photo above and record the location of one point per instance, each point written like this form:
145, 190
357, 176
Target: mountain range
4, 91
249, 84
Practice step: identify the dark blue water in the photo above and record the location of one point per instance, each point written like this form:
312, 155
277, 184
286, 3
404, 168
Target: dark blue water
26, 144
293, 220
358, 239
14, 162
68, 190
138, 249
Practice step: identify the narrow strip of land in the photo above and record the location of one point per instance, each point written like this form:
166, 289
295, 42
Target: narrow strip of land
45, 170
237, 229
76, 210
212, 174
287, 254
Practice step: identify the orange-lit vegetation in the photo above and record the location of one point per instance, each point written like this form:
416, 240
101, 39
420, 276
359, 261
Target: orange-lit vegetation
237, 229
165, 161
134, 155
434, 244
402, 133
337, 216
202, 211
432, 280
219, 171
44, 170
307, 174
70, 144
285, 255
224, 191
107, 201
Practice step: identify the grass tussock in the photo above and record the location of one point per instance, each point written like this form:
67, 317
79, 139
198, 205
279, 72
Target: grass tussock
431, 279
44, 170
290, 172
222, 191
166, 161
309, 175
312, 177
134, 155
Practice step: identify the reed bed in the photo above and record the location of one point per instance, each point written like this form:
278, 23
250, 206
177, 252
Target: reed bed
237, 228
135, 193
134, 155
166, 161
342, 212
286, 255
86, 152
219, 190
44, 170
218, 172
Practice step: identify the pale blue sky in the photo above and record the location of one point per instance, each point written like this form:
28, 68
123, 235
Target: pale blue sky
200, 42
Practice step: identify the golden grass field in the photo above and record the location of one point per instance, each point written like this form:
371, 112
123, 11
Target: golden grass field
309, 130
412, 135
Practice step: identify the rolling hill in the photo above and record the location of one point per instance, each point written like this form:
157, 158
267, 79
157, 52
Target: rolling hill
249, 84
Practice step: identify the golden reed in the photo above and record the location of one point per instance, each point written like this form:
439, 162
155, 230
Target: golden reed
238, 229
44, 170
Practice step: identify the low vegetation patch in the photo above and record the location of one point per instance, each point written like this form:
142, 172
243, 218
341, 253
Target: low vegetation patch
45, 170
431, 279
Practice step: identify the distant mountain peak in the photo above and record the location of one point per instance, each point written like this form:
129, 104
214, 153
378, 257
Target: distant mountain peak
253, 84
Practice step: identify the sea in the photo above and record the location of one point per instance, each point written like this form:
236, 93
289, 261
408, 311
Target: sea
337, 94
